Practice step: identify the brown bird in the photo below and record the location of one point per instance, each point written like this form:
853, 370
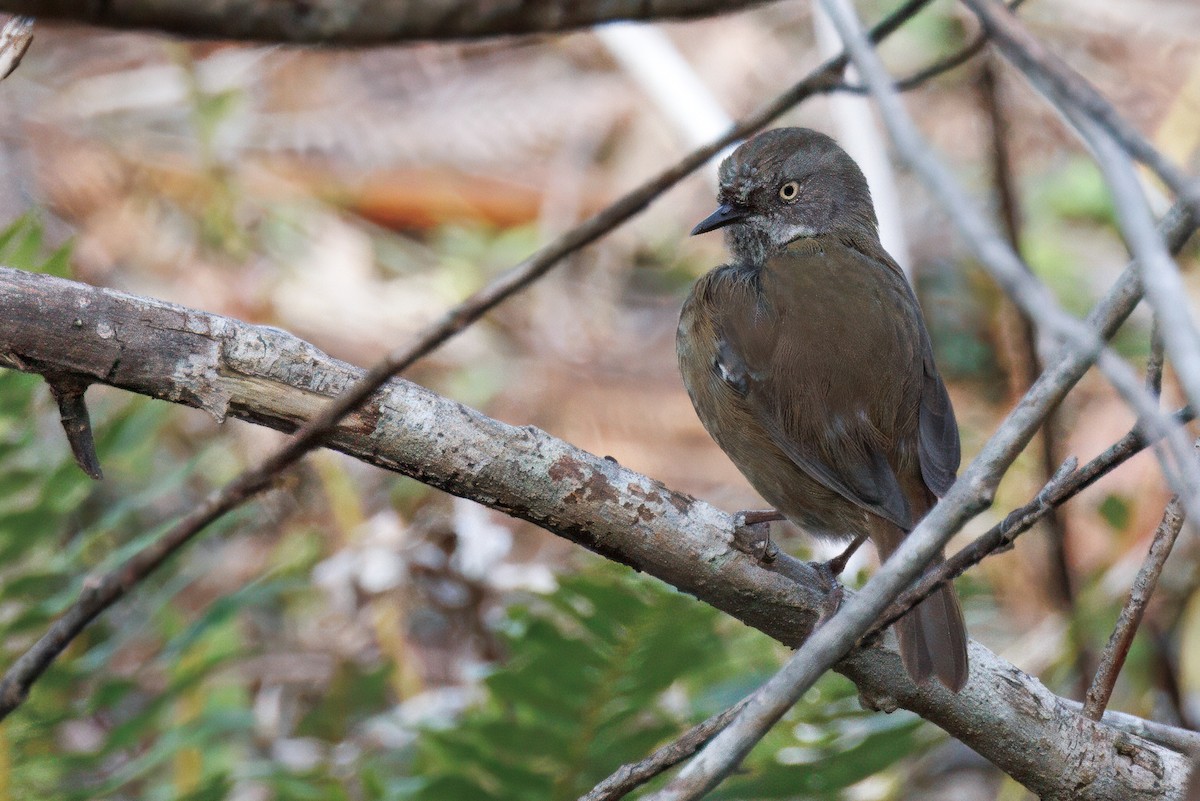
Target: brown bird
808, 361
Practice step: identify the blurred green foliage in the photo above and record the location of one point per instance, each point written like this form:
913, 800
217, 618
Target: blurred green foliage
612, 665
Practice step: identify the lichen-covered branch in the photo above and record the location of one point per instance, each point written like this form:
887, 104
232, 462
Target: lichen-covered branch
266, 376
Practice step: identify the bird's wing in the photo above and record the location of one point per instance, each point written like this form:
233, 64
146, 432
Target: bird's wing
765, 375
938, 443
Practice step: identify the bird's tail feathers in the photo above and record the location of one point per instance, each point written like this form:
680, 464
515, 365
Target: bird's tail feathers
933, 636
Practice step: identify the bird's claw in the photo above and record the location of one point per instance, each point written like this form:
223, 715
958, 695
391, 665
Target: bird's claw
837, 565
834, 592
752, 534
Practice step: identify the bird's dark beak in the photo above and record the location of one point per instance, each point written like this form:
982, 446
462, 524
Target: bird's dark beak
725, 214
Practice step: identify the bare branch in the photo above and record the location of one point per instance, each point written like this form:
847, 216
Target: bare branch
363, 22
1117, 649
269, 377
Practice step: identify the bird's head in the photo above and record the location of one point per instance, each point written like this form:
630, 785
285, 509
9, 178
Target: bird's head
785, 184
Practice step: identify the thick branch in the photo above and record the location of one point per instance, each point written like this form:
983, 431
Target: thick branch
362, 22
269, 377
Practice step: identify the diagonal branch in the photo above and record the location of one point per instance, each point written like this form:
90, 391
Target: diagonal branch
269, 377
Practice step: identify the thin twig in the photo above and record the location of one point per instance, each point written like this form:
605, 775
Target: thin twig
1064, 485
105, 591
629, 777
1117, 649
1113, 659
933, 70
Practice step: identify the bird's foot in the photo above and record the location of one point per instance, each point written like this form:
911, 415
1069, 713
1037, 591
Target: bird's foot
829, 573
837, 564
752, 533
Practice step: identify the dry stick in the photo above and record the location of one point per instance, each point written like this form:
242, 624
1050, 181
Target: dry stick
103, 592
1113, 659
627, 778
974, 489
1066, 484
1117, 649
1098, 122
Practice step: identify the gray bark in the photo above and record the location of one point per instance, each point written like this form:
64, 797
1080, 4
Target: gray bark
272, 378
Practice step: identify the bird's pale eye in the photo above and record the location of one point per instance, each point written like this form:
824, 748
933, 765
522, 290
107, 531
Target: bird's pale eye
789, 191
